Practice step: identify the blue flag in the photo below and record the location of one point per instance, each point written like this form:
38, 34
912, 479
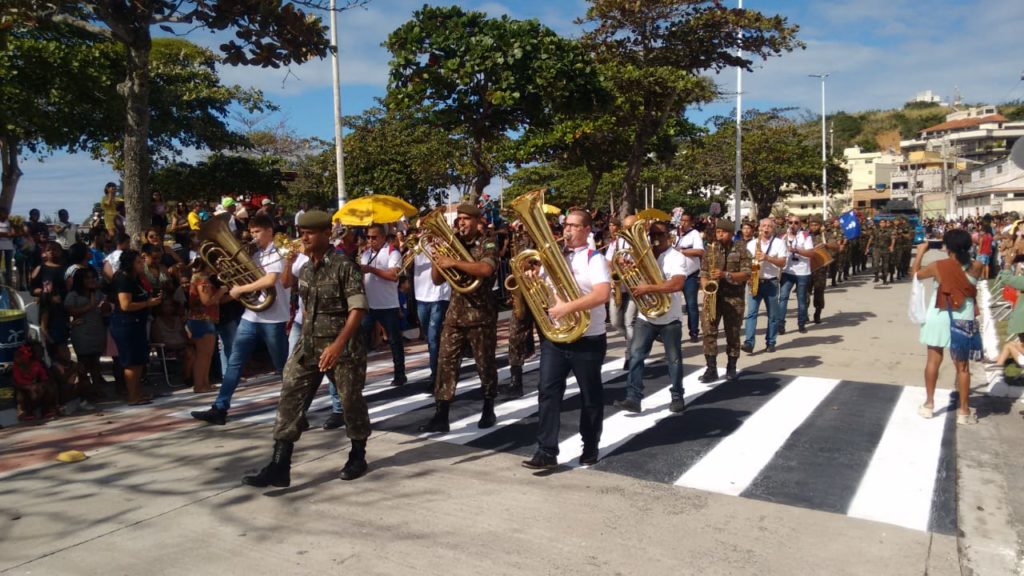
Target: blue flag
851, 224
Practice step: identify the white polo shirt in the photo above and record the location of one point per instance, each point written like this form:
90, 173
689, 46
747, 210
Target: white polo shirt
271, 262
381, 294
692, 240
796, 264
423, 284
300, 261
672, 263
774, 248
590, 268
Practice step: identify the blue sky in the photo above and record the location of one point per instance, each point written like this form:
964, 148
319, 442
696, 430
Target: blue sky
879, 52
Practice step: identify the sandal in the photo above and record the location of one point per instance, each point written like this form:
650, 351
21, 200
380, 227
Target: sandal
925, 411
965, 419
142, 402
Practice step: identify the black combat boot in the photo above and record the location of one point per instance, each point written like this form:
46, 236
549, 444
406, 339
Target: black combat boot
356, 465
730, 369
487, 417
439, 422
514, 389
214, 415
711, 374
278, 472
817, 315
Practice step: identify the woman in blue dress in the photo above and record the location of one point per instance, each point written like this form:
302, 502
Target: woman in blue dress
935, 332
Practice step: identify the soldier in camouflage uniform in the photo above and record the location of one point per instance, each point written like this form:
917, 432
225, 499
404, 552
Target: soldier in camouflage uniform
520, 328
904, 239
834, 235
471, 318
732, 269
820, 276
878, 243
335, 302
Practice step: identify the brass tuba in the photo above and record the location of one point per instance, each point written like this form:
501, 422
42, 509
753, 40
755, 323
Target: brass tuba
539, 293
636, 265
437, 238
711, 287
755, 268
516, 245
221, 251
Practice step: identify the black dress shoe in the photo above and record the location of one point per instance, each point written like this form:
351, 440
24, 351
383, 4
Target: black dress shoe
694, 339
802, 329
541, 461
770, 348
782, 329
590, 456
399, 380
629, 405
334, 421
748, 348
214, 416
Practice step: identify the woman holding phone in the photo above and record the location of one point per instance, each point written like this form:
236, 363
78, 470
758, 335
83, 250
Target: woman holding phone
128, 322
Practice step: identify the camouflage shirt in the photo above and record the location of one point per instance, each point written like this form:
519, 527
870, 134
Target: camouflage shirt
480, 306
329, 289
731, 258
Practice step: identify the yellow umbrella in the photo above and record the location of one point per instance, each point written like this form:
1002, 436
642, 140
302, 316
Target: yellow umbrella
654, 214
552, 210
373, 209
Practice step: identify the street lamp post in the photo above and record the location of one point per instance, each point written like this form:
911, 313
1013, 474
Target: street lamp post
339, 154
824, 166
737, 193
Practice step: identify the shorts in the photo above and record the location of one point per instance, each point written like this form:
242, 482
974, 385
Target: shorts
200, 328
984, 258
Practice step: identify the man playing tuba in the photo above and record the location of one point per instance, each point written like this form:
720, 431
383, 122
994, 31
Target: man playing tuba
472, 318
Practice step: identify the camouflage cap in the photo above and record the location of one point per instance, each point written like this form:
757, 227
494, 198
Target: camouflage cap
316, 219
726, 224
469, 210
814, 219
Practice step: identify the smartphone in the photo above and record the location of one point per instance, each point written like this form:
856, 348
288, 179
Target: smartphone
935, 244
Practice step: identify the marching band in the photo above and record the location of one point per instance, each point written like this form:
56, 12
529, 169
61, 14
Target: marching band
648, 275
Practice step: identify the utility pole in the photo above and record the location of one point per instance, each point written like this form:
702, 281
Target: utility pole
824, 165
737, 193
339, 149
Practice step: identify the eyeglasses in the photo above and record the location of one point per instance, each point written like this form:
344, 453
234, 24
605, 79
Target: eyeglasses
794, 222
368, 237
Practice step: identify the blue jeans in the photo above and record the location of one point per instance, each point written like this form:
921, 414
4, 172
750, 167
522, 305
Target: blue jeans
583, 358
431, 315
249, 334
226, 330
767, 292
690, 289
802, 283
388, 319
644, 334
293, 336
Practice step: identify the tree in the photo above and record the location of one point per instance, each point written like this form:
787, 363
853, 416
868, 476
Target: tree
660, 47
485, 78
217, 176
268, 34
780, 157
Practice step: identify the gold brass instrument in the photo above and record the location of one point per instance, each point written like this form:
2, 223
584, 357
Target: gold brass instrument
635, 264
221, 251
755, 268
438, 239
616, 280
516, 245
540, 293
711, 288
411, 250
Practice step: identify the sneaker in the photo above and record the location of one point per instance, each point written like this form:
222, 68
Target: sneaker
541, 461
802, 329
677, 406
770, 348
782, 329
747, 347
629, 405
334, 421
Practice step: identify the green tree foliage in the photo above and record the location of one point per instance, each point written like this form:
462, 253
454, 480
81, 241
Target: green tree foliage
268, 34
660, 47
218, 175
780, 158
484, 78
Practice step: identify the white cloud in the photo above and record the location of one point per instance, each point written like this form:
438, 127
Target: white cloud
71, 181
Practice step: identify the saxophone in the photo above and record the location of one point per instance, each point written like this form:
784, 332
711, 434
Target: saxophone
540, 293
636, 265
711, 288
755, 268
616, 291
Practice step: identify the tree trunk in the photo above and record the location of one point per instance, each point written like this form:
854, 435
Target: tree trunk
634, 169
481, 175
11, 173
135, 90
595, 181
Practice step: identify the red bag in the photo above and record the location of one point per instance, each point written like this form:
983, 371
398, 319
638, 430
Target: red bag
1010, 294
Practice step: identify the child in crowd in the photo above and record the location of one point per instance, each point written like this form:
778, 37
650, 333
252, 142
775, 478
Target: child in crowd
168, 328
32, 384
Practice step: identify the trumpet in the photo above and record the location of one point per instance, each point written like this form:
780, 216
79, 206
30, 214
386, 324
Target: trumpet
711, 287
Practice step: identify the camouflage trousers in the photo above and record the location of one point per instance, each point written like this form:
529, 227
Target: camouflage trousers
301, 383
520, 339
881, 263
483, 340
817, 291
730, 310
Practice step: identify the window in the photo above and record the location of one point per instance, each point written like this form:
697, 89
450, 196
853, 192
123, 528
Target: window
981, 173
999, 169
918, 184
803, 206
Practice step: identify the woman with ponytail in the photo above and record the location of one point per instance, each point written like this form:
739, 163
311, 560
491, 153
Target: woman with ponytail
950, 321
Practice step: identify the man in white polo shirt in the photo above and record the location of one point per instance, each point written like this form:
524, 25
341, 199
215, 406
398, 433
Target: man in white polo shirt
431, 306
691, 245
772, 255
797, 272
669, 325
380, 264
